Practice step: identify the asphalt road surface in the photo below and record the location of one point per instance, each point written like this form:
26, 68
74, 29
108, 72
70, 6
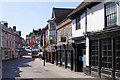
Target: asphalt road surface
28, 68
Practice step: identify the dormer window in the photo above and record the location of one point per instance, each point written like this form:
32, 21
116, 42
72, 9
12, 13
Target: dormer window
111, 14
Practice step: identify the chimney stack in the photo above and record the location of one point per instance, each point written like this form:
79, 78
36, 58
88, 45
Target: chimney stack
6, 24
14, 28
19, 33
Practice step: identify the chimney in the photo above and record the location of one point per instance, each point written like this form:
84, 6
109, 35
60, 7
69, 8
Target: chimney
6, 24
14, 28
19, 33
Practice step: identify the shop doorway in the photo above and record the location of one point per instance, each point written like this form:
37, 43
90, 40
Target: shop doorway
79, 57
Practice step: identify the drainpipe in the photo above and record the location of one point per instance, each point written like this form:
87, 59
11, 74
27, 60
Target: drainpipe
87, 67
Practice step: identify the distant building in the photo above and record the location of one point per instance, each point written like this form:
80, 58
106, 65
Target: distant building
33, 39
58, 14
27, 39
8, 42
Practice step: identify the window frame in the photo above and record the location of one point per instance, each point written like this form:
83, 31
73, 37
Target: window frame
78, 25
117, 52
94, 49
59, 36
105, 51
109, 25
69, 32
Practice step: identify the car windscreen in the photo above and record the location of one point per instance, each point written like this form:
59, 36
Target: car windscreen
34, 52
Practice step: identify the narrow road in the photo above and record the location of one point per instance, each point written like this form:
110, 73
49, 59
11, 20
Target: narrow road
28, 68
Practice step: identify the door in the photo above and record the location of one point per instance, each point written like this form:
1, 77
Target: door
79, 56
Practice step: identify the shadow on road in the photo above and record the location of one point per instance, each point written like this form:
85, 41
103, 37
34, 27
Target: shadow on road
11, 67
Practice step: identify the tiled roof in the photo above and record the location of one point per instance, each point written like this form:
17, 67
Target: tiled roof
60, 13
82, 5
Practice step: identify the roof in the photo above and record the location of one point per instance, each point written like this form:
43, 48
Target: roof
35, 31
60, 13
3, 27
45, 28
82, 7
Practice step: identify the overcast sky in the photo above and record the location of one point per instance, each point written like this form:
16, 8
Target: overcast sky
29, 15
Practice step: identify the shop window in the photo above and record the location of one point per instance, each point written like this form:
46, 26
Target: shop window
117, 49
59, 56
63, 57
6, 54
106, 53
94, 53
68, 58
111, 14
59, 36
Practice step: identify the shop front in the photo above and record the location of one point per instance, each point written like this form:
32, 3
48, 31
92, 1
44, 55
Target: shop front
58, 56
105, 53
70, 56
51, 54
65, 56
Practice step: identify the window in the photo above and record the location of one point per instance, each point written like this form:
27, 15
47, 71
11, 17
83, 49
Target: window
69, 32
111, 14
52, 25
117, 49
78, 23
94, 53
63, 37
64, 33
59, 36
63, 57
68, 58
59, 56
6, 54
106, 53
7, 43
10, 43
52, 39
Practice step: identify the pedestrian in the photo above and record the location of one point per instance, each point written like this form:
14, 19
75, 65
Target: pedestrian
13, 56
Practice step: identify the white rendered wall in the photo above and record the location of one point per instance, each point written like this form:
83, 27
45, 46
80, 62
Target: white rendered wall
87, 51
79, 32
95, 18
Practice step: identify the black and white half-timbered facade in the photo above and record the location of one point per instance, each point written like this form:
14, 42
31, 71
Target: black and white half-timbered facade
96, 27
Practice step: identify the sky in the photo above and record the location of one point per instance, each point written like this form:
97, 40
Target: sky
28, 15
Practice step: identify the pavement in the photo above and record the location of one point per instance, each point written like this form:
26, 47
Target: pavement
29, 68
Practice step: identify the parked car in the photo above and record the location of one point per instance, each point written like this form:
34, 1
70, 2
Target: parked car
35, 54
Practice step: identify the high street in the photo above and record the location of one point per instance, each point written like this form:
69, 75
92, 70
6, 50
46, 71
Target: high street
28, 67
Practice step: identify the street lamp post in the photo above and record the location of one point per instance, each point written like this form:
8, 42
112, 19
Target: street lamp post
44, 58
